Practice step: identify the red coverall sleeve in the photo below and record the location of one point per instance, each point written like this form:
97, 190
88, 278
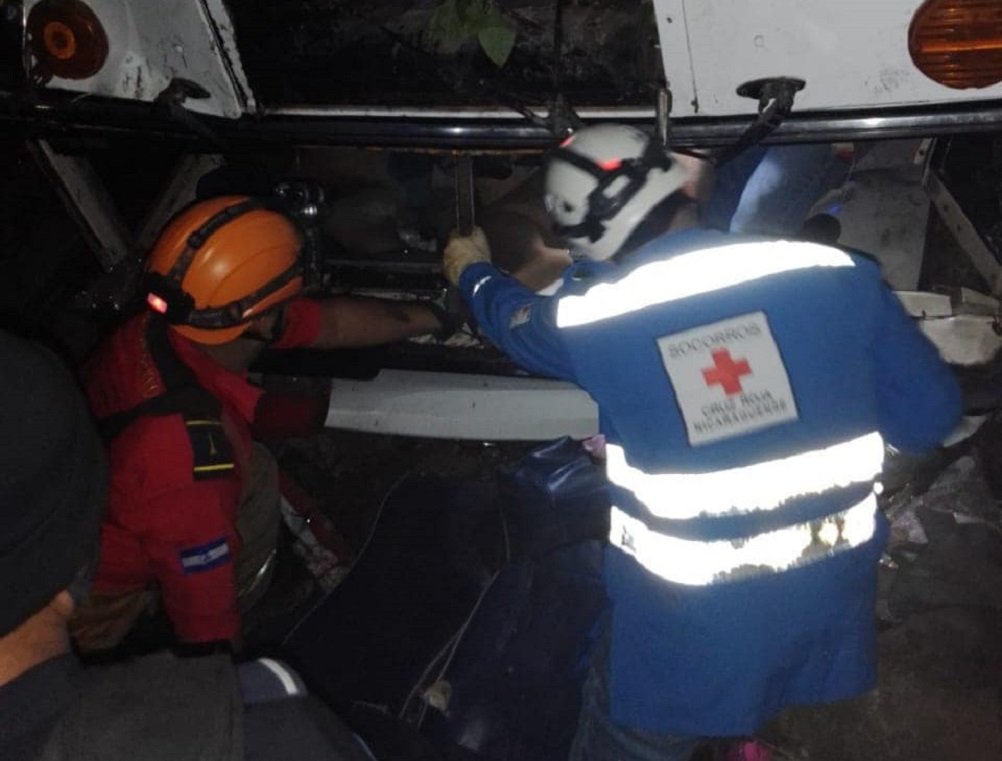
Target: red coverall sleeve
192, 548
302, 325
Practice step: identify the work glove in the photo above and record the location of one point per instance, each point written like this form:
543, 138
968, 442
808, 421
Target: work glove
463, 250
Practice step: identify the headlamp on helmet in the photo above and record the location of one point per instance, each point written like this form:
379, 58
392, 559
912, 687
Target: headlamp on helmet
222, 262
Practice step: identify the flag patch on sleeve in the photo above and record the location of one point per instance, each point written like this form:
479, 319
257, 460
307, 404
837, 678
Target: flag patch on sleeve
205, 557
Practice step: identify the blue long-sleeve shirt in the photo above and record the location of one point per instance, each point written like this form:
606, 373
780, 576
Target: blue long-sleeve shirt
739, 384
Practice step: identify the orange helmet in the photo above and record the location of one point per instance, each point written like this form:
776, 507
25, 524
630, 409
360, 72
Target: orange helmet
220, 263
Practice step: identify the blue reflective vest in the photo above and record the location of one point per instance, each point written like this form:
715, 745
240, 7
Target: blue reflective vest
745, 388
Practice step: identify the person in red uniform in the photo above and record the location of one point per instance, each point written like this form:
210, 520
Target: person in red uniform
193, 506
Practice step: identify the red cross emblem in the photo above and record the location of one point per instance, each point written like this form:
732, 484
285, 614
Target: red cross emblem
726, 371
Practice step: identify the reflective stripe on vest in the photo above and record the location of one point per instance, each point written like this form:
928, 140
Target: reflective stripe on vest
695, 563
763, 486
692, 274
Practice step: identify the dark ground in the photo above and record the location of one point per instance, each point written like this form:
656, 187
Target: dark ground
350, 473
938, 693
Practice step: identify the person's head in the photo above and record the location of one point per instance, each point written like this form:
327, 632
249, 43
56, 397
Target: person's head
52, 483
222, 266
604, 181
523, 248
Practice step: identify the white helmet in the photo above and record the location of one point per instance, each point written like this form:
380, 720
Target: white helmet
601, 183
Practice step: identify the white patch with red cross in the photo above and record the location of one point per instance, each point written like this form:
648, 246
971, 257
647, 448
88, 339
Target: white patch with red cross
729, 378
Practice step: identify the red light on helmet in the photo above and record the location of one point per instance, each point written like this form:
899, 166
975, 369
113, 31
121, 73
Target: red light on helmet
958, 43
156, 303
610, 165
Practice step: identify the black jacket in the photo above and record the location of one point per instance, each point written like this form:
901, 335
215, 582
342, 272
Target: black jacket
161, 708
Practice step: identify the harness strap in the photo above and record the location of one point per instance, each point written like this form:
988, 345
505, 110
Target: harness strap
212, 452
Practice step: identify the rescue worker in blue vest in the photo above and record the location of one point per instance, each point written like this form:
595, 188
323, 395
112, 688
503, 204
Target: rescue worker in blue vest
746, 388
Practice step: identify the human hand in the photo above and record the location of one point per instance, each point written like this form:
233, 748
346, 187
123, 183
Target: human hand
463, 250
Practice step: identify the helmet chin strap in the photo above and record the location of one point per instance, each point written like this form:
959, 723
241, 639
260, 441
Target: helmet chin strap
277, 329
590, 227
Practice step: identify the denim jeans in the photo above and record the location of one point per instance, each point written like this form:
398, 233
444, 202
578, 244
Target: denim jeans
599, 739
770, 190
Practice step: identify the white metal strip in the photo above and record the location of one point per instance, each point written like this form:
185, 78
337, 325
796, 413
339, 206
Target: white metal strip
89, 203
457, 406
695, 563
763, 486
597, 113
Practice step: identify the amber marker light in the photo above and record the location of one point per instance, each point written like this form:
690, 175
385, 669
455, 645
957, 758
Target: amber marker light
958, 43
67, 39
59, 40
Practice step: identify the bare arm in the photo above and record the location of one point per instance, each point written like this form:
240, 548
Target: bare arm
350, 321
